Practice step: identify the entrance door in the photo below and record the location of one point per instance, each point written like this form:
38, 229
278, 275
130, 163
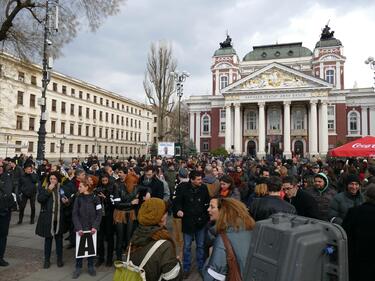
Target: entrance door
298, 147
251, 148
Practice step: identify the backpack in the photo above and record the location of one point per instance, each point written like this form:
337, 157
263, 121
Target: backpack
127, 271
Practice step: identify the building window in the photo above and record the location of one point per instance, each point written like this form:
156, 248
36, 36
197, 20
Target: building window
19, 98
21, 76
99, 149
70, 148
222, 120
116, 149
63, 107
78, 148
94, 114
105, 149
223, 81
87, 131
94, 131
331, 118
113, 104
52, 147
106, 102
330, 76
71, 129
127, 121
274, 117
53, 126
79, 111
112, 118
80, 94
87, 112
88, 96
63, 89
72, 109
18, 146
30, 147
298, 119
62, 147
131, 122
54, 86
80, 130
122, 120
31, 124
62, 129
95, 99
72, 92
86, 148
106, 117
100, 115
33, 80
112, 134
100, 132
93, 148
205, 146
106, 133
251, 121
101, 101
19, 123
353, 123
127, 136
117, 119
111, 149
206, 126
32, 100
53, 105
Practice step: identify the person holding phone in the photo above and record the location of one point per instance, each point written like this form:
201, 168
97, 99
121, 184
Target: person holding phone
50, 220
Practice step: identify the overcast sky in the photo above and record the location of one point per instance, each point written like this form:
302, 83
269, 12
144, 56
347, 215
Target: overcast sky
114, 57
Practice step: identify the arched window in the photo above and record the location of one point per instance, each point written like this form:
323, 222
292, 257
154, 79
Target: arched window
274, 117
353, 123
223, 81
251, 120
206, 124
298, 119
330, 76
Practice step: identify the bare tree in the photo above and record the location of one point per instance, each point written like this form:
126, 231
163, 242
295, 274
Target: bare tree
159, 84
175, 127
21, 23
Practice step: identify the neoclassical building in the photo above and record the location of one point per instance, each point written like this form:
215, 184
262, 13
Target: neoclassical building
280, 99
82, 119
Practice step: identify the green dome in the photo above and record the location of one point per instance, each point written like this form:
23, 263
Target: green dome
332, 42
225, 52
277, 51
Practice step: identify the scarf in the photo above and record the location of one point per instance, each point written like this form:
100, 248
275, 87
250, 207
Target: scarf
144, 235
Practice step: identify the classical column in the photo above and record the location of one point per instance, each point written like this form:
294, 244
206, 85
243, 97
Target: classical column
228, 128
198, 131
364, 121
191, 124
321, 71
262, 130
237, 129
313, 145
323, 125
372, 121
338, 76
287, 152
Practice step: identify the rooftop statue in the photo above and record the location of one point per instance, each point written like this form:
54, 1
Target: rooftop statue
326, 33
227, 43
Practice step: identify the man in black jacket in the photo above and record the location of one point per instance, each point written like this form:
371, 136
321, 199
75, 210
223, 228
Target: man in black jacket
304, 203
27, 191
150, 181
262, 208
191, 204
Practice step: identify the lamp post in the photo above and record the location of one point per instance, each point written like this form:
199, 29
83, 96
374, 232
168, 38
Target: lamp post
49, 28
370, 61
179, 78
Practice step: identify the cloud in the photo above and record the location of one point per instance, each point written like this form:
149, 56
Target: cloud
115, 56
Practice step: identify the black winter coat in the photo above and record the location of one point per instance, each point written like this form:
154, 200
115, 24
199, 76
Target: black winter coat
263, 207
156, 187
50, 201
87, 212
5, 192
359, 225
122, 199
28, 184
193, 202
305, 204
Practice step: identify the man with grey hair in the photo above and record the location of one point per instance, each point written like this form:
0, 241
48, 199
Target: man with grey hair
359, 225
212, 182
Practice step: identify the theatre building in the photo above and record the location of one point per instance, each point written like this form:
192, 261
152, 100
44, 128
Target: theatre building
280, 99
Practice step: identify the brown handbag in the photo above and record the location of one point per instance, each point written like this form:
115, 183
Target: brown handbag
234, 273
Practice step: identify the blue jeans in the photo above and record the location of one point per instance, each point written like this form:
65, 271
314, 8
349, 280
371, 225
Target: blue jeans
90, 262
200, 237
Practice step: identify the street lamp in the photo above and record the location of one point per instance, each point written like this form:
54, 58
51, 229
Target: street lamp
179, 78
371, 62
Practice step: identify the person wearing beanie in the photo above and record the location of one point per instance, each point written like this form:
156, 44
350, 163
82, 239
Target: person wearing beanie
359, 225
343, 201
323, 195
163, 264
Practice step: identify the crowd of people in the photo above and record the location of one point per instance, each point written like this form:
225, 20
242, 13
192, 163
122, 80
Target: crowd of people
214, 202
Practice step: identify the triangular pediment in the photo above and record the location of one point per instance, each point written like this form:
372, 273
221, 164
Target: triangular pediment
276, 76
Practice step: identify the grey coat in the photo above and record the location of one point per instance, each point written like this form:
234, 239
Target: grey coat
341, 203
216, 267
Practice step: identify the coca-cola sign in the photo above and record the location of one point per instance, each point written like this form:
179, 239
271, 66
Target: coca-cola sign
363, 146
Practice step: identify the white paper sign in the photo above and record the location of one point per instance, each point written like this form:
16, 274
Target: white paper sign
86, 245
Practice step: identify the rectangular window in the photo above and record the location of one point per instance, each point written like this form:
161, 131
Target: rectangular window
62, 147
53, 126
72, 92
18, 146
53, 105
62, 129
32, 100
19, 123
100, 132
205, 146
331, 118
127, 108
88, 96
94, 131
95, 99
31, 124
71, 128
80, 111
107, 102
112, 134
118, 106
127, 136
86, 148
63, 90
80, 94
101, 101
113, 104
54, 87
131, 122
148, 126
19, 98
87, 131
139, 124
116, 149
117, 134
93, 148
80, 130
106, 133
112, 118
94, 114
33, 80
21, 76
117, 119
70, 148
87, 112
52, 147
105, 149
72, 109
78, 148
111, 149
127, 121
106, 117
63, 107
100, 116
126, 150
122, 120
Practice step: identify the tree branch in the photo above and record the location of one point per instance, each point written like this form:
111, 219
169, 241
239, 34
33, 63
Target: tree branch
34, 15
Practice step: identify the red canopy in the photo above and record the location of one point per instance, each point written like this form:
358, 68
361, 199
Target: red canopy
363, 147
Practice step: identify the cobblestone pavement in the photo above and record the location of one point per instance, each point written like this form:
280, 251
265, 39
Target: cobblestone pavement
25, 254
